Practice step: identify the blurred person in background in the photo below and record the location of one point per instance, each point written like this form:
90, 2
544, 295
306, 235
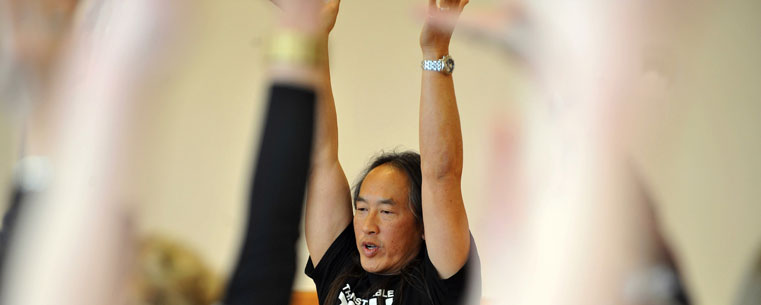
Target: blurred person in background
168, 273
73, 239
612, 249
72, 223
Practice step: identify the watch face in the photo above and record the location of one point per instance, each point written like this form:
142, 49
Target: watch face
450, 65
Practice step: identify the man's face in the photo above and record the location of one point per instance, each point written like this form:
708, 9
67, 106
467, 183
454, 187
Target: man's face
387, 233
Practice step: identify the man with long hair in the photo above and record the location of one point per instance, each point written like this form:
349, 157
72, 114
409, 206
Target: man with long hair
408, 240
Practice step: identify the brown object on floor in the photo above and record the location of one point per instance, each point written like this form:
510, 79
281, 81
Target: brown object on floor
169, 273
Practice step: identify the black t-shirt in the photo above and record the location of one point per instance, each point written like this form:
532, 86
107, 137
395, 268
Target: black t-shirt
466, 283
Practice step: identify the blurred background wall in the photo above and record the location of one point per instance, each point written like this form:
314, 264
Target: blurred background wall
199, 131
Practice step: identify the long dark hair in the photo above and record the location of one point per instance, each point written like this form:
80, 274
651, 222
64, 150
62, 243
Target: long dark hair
411, 275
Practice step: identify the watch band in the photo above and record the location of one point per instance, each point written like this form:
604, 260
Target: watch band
444, 64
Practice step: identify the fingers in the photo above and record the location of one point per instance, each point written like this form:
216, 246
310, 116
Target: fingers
489, 24
463, 3
494, 22
450, 4
333, 4
505, 28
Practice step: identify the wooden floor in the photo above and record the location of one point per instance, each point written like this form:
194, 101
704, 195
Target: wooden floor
304, 298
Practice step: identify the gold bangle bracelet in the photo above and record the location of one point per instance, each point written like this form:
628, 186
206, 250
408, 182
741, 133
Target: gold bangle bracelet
293, 48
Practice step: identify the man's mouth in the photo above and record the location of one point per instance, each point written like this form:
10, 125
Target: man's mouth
369, 249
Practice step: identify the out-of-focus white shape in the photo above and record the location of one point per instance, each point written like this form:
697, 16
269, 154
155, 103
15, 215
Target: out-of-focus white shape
579, 240
33, 174
73, 241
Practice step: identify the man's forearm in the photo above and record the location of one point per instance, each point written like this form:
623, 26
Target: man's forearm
440, 135
326, 140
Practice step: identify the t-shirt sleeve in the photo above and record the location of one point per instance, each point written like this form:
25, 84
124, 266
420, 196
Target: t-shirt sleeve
463, 287
335, 259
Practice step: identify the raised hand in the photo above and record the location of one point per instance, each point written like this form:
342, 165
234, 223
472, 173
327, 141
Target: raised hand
313, 15
435, 37
328, 15
505, 25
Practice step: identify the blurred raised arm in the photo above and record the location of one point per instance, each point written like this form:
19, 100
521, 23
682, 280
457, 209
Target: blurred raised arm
267, 261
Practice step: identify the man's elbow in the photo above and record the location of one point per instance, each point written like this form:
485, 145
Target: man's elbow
444, 169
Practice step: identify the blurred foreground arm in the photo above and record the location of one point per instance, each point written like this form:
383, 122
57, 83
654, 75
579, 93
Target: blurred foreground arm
266, 265
79, 227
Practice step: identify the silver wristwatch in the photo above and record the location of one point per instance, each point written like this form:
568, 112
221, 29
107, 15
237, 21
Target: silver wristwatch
444, 64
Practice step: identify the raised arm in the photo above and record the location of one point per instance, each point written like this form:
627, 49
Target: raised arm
328, 209
267, 260
446, 225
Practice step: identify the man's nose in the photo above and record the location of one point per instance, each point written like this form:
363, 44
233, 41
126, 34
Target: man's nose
369, 224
